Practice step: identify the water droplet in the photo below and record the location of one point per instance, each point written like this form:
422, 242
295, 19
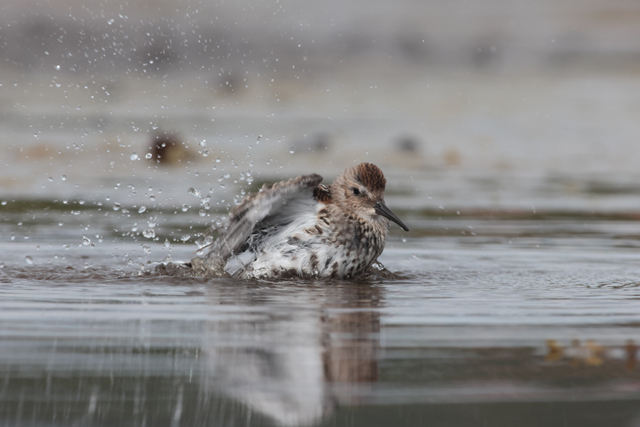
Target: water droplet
185, 237
152, 197
134, 156
57, 67
202, 212
142, 209
185, 208
117, 206
292, 150
152, 221
195, 192
28, 260
146, 249
203, 143
167, 244
148, 156
86, 241
63, 177
149, 233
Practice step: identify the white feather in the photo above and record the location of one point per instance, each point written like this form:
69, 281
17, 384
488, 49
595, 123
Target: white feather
300, 213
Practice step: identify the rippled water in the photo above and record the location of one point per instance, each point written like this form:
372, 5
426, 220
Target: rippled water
489, 318
513, 301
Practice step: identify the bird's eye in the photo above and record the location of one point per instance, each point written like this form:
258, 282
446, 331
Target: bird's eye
356, 191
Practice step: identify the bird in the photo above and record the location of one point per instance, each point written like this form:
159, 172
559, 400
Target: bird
302, 228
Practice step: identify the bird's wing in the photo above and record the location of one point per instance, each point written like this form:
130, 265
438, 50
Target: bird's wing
274, 205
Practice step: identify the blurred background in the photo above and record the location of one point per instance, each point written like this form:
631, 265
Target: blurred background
508, 132
490, 103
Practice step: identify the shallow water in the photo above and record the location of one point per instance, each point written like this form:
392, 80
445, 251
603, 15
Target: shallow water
514, 300
490, 318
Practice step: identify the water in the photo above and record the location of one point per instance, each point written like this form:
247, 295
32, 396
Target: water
497, 318
513, 301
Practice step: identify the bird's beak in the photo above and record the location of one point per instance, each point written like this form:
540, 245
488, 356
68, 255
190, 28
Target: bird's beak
382, 209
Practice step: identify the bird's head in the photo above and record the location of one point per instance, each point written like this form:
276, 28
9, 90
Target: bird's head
359, 190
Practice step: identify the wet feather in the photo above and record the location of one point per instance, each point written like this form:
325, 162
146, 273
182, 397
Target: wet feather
301, 227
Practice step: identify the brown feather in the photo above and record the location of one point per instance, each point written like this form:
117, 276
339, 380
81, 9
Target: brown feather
322, 194
371, 177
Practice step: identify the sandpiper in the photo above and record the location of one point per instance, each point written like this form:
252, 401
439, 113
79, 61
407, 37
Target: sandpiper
303, 228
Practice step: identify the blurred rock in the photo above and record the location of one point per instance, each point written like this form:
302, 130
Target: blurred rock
408, 144
413, 47
168, 149
158, 55
484, 54
41, 151
452, 157
229, 83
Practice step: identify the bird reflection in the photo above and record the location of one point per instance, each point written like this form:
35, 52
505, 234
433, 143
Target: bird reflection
295, 366
631, 350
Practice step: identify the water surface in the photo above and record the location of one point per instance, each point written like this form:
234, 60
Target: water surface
514, 300
488, 318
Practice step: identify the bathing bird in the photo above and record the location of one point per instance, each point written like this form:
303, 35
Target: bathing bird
303, 228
